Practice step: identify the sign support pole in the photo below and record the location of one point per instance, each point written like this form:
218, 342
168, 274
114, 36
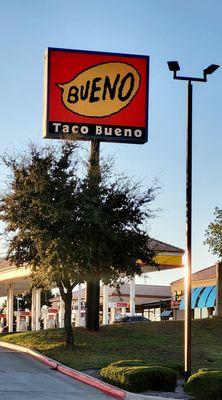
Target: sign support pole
174, 67
188, 265
92, 283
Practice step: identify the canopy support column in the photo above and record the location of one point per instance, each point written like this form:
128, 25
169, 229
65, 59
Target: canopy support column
38, 309
61, 312
33, 309
105, 304
132, 296
10, 308
78, 311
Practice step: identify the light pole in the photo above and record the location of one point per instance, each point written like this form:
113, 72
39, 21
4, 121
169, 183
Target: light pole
18, 299
174, 67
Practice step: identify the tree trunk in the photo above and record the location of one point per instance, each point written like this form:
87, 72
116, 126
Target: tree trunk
68, 323
92, 304
92, 284
67, 298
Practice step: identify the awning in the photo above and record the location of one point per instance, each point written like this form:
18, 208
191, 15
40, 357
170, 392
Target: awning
182, 305
196, 296
201, 297
211, 300
166, 313
204, 296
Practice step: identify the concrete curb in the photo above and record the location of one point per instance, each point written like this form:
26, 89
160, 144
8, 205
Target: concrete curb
96, 383
80, 376
35, 354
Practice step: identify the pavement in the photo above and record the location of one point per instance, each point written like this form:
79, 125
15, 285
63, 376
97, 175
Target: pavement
24, 378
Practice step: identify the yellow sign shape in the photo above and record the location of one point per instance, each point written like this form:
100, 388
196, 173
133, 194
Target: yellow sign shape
173, 260
101, 90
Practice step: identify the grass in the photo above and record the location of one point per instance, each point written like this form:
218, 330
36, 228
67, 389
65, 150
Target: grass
157, 342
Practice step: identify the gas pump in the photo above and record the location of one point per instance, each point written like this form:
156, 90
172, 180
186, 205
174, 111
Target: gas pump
22, 320
118, 310
50, 317
2, 321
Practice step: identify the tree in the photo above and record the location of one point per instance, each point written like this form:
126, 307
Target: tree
214, 233
113, 241
69, 227
40, 211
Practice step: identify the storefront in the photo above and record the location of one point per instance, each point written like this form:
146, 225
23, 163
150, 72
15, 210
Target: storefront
203, 294
118, 300
158, 310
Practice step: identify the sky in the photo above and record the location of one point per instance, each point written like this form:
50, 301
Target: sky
186, 31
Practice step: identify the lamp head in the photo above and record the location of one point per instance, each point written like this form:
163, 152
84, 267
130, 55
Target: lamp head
209, 70
173, 66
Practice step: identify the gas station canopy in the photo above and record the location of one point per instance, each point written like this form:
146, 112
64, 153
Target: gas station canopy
167, 257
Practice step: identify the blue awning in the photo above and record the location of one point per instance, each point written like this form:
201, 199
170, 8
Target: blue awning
211, 300
195, 296
204, 296
166, 313
201, 297
182, 305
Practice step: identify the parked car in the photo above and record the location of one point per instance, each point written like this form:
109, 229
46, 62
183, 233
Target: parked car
132, 319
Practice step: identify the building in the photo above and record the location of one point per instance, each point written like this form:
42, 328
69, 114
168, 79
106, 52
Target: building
205, 294
14, 281
158, 310
118, 301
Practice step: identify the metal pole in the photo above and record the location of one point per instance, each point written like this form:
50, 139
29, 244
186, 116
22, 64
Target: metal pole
174, 67
188, 268
92, 284
94, 154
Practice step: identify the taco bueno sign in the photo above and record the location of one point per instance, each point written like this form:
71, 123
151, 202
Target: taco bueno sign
92, 95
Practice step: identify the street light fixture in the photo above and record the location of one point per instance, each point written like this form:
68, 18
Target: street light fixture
174, 67
209, 70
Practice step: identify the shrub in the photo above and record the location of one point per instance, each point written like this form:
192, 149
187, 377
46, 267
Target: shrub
178, 367
134, 363
205, 385
140, 377
129, 363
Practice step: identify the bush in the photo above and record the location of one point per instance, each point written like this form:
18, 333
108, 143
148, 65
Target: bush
134, 363
129, 363
138, 378
205, 385
179, 368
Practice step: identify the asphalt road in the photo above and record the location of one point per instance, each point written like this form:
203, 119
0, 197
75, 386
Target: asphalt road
24, 378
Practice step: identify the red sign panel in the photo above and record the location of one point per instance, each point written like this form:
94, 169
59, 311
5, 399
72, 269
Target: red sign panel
25, 313
122, 304
52, 310
93, 95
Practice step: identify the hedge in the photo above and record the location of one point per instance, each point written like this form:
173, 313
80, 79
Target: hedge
178, 367
140, 377
129, 363
205, 385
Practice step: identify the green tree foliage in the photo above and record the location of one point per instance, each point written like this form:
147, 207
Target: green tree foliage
40, 211
214, 234
67, 226
111, 217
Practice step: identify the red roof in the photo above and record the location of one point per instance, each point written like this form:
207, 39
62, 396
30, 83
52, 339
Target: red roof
159, 246
203, 274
